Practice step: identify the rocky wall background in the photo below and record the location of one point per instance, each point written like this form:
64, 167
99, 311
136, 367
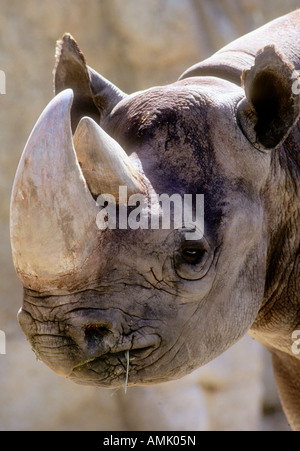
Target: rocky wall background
136, 44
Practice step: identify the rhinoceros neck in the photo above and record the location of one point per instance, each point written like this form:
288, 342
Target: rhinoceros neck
279, 315
284, 222
229, 62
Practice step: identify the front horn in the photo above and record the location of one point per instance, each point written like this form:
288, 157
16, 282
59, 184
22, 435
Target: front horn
53, 214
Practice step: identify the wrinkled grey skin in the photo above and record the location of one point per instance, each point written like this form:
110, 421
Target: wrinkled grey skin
239, 146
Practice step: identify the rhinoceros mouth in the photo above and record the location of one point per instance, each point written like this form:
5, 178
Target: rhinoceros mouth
111, 370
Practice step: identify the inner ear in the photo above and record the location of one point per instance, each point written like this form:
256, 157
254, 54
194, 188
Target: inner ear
271, 99
271, 106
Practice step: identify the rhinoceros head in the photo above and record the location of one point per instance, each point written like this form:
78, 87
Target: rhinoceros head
174, 297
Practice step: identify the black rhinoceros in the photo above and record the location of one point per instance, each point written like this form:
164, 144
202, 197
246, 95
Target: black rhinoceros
105, 302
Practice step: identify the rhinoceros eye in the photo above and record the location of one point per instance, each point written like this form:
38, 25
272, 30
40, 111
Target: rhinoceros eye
193, 259
193, 256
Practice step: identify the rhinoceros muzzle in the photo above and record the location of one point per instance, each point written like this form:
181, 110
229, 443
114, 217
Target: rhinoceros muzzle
55, 241
90, 345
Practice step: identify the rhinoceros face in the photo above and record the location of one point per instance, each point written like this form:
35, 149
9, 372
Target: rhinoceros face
166, 300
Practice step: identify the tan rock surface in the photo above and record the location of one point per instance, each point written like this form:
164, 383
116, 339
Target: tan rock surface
136, 44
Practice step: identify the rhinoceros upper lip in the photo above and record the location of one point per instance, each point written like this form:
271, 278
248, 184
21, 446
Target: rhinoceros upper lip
141, 353
135, 354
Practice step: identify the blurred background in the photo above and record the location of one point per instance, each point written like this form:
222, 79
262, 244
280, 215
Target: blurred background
135, 44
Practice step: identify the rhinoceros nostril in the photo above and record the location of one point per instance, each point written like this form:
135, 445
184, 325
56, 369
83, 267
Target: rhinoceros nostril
94, 333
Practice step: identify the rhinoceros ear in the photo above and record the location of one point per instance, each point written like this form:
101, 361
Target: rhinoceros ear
94, 96
272, 103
